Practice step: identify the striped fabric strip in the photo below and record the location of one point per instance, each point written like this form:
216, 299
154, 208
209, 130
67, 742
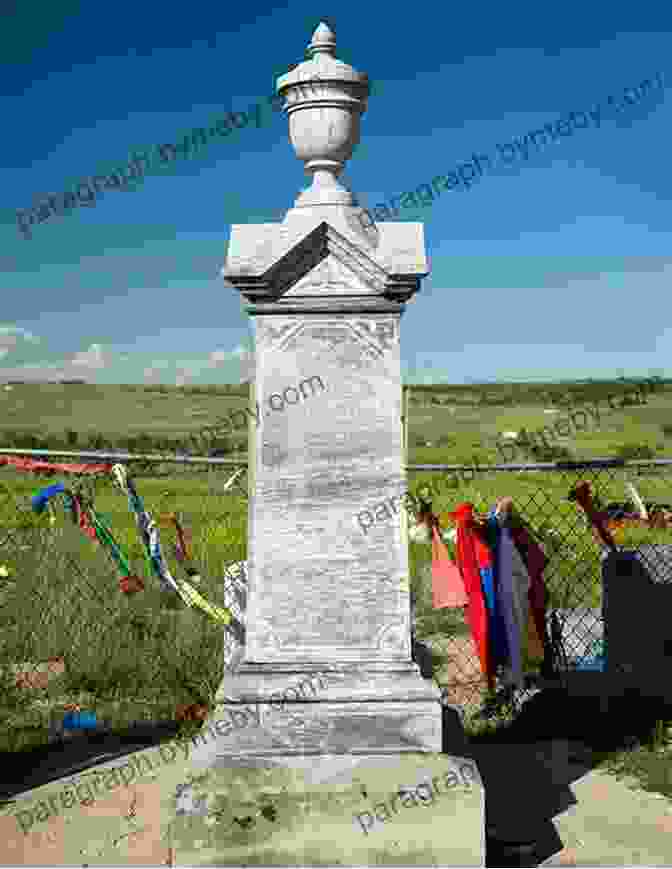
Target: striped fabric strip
22, 464
223, 616
106, 538
150, 534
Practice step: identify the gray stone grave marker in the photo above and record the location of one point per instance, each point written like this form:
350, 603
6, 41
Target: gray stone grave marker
326, 292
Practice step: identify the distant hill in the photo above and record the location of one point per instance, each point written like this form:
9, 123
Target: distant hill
160, 418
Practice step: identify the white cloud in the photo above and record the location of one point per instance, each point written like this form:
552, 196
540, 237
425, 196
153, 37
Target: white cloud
153, 372
94, 357
247, 365
11, 336
28, 336
97, 359
183, 375
32, 374
7, 342
77, 366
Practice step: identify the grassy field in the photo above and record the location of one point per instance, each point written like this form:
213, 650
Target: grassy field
61, 597
458, 422
459, 431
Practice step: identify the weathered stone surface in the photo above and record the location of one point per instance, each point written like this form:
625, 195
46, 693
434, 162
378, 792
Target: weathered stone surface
319, 588
326, 596
280, 811
343, 812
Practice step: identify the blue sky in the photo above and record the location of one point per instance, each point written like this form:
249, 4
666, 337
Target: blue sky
555, 266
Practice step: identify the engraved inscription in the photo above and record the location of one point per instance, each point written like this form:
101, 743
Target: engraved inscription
317, 590
277, 332
383, 331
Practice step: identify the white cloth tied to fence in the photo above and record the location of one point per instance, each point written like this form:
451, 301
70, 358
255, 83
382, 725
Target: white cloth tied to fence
235, 599
656, 558
582, 632
418, 532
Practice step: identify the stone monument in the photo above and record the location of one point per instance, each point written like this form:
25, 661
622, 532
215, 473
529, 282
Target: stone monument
326, 601
326, 300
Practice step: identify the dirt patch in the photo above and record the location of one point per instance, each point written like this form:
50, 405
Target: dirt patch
461, 674
38, 676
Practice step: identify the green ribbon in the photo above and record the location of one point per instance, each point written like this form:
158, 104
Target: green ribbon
105, 536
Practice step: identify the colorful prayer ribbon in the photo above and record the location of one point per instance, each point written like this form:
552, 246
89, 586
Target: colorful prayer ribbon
150, 536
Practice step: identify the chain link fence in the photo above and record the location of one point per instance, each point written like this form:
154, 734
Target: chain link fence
540, 492
573, 576
59, 590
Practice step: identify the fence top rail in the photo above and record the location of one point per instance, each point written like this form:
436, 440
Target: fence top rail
530, 466
546, 466
120, 457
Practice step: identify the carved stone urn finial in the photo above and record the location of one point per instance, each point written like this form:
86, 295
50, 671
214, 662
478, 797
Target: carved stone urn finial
324, 99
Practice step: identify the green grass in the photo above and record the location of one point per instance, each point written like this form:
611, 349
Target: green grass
62, 597
475, 430
649, 764
462, 423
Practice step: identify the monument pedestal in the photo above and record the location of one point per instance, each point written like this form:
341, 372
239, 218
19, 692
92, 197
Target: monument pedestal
323, 709
326, 595
325, 744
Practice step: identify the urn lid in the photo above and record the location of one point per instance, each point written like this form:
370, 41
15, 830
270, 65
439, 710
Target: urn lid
322, 64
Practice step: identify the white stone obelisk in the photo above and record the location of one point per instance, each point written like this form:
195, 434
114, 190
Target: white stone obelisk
326, 294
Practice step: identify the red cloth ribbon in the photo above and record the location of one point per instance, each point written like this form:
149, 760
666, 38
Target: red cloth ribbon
131, 584
83, 520
463, 513
447, 584
472, 549
192, 712
582, 494
428, 518
181, 545
38, 465
536, 562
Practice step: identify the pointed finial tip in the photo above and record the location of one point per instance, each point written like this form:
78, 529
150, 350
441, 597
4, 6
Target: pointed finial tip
323, 30
323, 39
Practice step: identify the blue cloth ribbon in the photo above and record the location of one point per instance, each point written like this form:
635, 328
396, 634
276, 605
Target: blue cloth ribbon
80, 721
40, 500
494, 601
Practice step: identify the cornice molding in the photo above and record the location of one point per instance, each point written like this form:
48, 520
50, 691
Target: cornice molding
266, 291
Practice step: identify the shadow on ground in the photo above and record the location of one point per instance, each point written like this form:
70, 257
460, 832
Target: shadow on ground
31, 768
528, 766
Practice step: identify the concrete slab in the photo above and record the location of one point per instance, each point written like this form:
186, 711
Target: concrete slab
614, 823
94, 818
403, 810
252, 814
156, 820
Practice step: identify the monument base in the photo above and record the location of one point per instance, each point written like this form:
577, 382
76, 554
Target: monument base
266, 710
415, 809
